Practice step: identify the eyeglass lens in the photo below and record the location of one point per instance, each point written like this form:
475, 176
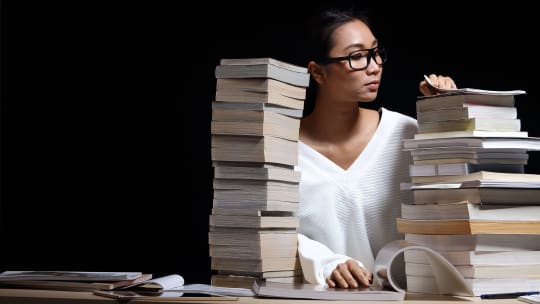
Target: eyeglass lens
360, 59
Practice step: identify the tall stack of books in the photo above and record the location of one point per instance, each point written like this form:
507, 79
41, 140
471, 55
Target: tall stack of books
473, 203
255, 129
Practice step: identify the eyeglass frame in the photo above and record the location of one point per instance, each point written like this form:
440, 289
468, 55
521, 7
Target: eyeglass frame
371, 54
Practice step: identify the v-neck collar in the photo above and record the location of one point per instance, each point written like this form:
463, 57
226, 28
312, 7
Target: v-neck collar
362, 158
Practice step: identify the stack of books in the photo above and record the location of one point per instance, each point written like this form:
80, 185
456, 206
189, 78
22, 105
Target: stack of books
255, 128
72, 280
472, 201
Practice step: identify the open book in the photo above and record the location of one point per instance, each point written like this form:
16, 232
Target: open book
533, 298
384, 287
472, 91
172, 286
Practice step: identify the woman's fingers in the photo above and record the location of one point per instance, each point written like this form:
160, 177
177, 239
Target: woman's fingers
439, 82
338, 279
361, 275
349, 275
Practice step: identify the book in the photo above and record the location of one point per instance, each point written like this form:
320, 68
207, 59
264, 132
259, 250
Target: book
69, 276
172, 286
242, 281
218, 290
447, 101
256, 129
172, 281
260, 90
243, 221
501, 184
383, 288
261, 198
462, 168
74, 285
473, 91
464, 150
480, 175
479, 286
235, 115
454, 160
321, 292
471, 133
523, 143
243, 188
477, 242
470, 257
467, 111
268, 264
262, 172
252, 237
172, 296
476, 195
263, 68
455, 156
467, 226
297, 113
532, 298
472, 211
496, 158
260, 204
471, 124
252, 252
251, 212
255, 184
530, 271
258, 97
264, 149
252, 243
276, 274
256, 123
263, 60
261, 85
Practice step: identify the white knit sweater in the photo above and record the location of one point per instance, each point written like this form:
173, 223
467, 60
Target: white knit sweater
352, 213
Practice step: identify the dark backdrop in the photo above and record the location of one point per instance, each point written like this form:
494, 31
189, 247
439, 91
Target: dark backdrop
105, 114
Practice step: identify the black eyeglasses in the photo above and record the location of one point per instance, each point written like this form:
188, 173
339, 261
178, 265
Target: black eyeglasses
360, 59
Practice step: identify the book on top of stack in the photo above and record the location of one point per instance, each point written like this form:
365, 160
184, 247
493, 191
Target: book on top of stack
255, 131
472, 200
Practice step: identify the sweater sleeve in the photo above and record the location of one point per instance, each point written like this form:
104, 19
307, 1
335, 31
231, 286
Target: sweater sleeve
317, 260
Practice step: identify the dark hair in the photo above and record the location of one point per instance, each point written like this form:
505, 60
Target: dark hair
321, 29
323, 26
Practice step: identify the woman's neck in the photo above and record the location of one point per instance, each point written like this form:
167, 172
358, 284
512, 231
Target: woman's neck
333, 121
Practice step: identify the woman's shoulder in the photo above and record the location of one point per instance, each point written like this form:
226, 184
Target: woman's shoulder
393, 121
397, 116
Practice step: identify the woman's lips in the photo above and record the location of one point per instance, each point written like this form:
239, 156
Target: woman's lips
373, 85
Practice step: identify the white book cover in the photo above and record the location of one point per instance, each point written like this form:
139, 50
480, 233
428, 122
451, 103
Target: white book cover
473, 91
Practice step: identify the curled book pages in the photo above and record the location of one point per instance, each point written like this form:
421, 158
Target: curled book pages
448, 280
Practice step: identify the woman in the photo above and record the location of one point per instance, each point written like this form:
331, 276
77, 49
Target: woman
351, 158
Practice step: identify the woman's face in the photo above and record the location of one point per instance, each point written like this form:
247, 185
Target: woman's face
346, 83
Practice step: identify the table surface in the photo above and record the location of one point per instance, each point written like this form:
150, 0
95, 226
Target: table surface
30, 296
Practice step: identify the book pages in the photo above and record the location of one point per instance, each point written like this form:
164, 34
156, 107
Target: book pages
448, 279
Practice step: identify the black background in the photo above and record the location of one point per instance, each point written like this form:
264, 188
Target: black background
105, 113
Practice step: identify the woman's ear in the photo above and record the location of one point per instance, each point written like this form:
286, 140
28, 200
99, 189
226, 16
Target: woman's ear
316, 71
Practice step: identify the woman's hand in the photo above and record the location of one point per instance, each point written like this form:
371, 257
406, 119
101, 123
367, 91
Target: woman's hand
439, 81
349, 275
